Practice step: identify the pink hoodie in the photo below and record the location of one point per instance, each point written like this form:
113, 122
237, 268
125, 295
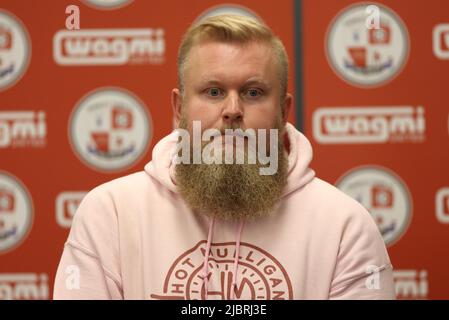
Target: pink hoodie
135, 238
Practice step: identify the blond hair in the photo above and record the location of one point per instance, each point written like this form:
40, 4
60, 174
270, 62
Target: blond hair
232, 28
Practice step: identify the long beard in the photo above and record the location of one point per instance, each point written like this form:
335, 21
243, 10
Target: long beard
233, 191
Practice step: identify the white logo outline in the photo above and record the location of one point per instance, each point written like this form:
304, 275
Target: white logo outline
61, 199
437, 32
228, 8
339, 73
358, 170
441, 195
71, 133
389, 126
122, 49
28, 47
31, 211
96, 5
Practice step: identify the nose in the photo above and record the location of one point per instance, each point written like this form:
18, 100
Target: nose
232, 109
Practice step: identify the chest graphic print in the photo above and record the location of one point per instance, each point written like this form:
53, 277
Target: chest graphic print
260, 275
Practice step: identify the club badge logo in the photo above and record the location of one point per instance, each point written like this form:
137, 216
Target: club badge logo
228, 9
441, 41
367, 57
107, 4
16, 212
384, 195
110, 129
15, 50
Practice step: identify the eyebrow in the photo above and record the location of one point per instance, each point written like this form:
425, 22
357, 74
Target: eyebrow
247, 82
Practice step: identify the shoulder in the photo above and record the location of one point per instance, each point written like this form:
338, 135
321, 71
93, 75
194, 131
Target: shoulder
128, 187
332, 211
358, 231
128, 183
323, 198
101, 203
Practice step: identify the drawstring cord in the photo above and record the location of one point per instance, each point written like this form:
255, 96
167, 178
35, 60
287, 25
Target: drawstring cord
236, 258
206, 256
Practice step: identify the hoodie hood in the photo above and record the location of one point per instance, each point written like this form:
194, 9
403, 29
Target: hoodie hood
300, 155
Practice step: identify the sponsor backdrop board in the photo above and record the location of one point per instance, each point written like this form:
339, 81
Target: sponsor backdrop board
78, 108
376, 110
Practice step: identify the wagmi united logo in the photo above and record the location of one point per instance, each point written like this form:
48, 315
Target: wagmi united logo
353, 125
109, 46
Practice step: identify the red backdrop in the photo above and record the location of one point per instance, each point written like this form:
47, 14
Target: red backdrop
78, 108
399, 173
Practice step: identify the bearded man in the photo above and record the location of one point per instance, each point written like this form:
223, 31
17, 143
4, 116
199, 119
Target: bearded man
190, 227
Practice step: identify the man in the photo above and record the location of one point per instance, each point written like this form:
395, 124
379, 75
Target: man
191, 228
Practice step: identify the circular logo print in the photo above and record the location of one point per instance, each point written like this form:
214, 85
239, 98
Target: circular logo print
110, 129
228, 9
15, 50
363, 53
16, 212
260, 275
108, 4
384, 195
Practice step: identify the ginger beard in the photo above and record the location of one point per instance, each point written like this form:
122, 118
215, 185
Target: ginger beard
232, 191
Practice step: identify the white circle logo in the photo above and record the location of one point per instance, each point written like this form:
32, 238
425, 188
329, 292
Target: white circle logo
16, 212
228, 9
367, 57
15, 49
110, 129
108, 4
384, 195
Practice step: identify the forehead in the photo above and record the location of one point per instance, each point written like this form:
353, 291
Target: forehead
222, 61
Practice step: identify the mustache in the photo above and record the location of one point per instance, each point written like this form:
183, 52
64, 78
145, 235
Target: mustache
234, 132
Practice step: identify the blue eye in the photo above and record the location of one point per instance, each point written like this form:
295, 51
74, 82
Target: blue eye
213, 92
253, 93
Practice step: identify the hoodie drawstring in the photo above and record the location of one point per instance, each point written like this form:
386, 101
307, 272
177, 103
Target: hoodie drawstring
236, 259
206, 256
